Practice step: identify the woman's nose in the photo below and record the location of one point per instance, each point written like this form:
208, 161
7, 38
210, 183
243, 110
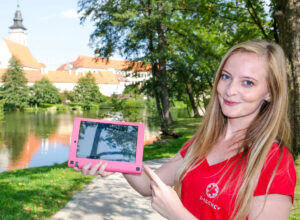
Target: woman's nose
232, 88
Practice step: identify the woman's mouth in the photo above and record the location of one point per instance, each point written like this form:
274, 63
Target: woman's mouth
230, 103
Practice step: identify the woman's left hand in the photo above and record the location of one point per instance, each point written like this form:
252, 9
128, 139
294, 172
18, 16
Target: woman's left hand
164, 198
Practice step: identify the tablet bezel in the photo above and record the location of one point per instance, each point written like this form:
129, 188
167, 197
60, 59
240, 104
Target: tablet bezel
112, 166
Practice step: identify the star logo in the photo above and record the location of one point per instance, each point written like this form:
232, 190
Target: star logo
212, 190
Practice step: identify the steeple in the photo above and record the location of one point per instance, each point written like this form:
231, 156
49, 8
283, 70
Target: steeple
18, 20
17, 30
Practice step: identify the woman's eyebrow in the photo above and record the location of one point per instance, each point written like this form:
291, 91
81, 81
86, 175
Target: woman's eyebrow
248, 77
223, 70
244, 77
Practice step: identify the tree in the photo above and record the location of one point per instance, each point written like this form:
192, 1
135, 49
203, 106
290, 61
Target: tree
284, 28
45, 92
157, 32
14, 89
86, 91
139, 28
286, 14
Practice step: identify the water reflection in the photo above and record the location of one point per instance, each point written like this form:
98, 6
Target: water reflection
43, 138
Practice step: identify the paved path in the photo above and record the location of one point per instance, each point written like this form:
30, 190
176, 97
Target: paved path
110, 198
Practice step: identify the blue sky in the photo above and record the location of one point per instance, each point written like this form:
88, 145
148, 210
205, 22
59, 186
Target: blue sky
55, 35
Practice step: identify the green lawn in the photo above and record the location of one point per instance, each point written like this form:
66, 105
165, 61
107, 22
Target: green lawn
295, 213
38, 193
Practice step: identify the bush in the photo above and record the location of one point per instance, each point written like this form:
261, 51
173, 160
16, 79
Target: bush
43, 91
61, 108
132, 103
46, 105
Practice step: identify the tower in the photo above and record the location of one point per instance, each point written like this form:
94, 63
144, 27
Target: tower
17, 30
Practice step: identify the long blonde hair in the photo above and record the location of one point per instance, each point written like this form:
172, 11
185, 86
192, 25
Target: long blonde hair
269, 125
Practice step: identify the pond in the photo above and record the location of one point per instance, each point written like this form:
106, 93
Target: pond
43, 138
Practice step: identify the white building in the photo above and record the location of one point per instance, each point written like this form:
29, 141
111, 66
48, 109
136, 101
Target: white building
111, 76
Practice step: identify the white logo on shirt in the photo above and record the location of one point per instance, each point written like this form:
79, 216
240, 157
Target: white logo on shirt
212, 190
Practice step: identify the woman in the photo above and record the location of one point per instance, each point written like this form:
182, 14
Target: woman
236, 166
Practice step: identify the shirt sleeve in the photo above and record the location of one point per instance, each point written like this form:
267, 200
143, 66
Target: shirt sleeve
284, 181
186, 146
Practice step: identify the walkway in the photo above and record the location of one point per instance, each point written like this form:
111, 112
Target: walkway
110, 198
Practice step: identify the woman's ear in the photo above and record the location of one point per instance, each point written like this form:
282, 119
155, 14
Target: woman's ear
267, 97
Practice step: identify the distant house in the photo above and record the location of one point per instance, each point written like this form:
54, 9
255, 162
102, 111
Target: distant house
127, 72
107, 81
111, 76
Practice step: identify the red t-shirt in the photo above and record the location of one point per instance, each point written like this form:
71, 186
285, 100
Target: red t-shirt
202, 190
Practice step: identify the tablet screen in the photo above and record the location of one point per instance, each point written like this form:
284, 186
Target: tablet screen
107, 141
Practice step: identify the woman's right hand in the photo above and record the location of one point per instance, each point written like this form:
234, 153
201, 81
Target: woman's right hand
97, 169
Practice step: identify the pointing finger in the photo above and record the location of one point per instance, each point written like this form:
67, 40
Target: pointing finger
153, 176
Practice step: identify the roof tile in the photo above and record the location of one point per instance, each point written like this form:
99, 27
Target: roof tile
101, 77
99, 63
23, 54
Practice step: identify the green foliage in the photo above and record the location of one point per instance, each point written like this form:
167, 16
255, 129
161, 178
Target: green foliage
132, 90
14, 89
132, 103
66, 96
46, 105
115, 101
61, 108
87, 92
2, 102
43, 91
185, 39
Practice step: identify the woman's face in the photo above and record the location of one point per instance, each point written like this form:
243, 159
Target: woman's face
242, 87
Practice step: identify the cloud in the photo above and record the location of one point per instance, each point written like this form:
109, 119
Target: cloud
71, 13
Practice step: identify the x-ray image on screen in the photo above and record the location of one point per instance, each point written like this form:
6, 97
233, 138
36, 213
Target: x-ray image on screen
107, 141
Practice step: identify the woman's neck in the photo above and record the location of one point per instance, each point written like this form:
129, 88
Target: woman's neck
236, 126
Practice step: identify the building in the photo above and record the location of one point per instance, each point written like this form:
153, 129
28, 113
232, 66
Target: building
126, 72
112, 76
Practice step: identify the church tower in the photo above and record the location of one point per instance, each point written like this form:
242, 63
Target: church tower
17, 30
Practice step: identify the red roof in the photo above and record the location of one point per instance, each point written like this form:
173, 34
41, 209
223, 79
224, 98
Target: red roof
101, 77
23, 54
99, 63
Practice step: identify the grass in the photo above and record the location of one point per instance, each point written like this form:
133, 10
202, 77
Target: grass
184, 128
38, 193
295, 212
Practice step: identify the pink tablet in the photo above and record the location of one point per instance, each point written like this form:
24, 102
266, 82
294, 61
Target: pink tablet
120, 144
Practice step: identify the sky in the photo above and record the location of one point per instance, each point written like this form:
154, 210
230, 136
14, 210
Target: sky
54, 33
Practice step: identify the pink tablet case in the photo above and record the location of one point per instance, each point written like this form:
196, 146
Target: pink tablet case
112, 166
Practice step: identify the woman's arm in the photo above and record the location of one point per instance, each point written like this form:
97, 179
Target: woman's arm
277, 207
167, 172
141, 183
165, 200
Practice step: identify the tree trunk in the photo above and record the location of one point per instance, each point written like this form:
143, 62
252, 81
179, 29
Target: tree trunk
192, 100
156, 81
156, 95
287, 14
163, 73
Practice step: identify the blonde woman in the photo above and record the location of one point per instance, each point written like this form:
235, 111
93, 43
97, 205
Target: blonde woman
237, 165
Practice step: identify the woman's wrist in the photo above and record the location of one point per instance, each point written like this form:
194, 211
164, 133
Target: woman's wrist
183, 213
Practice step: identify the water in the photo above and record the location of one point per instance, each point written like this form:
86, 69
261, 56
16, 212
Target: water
43, 138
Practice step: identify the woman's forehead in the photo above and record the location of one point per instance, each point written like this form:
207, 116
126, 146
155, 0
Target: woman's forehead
246, 64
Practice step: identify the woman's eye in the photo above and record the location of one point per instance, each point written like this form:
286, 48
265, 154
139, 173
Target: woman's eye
248, 83
225, 76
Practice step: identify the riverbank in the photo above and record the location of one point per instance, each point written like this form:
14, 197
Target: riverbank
38, 193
